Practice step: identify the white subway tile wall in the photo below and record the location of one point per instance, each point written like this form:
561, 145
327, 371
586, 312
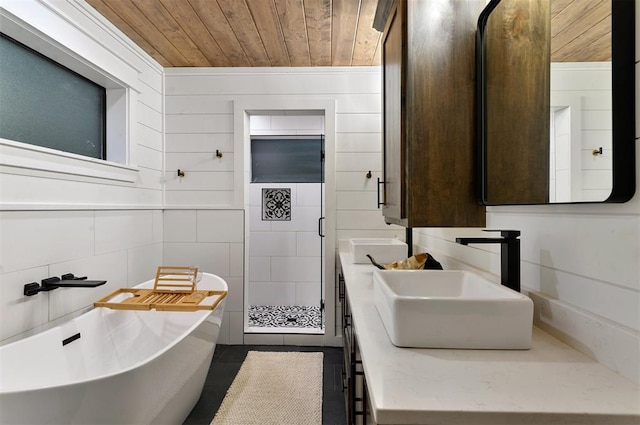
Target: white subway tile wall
118, 230
17, 314
111, 267
285, 256
123, 247
213, 240
271, 244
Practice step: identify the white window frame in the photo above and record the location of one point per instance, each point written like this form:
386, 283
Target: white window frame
121, 99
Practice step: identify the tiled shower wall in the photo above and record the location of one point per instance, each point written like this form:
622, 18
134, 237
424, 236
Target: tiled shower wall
285, 256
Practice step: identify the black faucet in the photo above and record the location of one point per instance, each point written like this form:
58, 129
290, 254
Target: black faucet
509, 255
65, 281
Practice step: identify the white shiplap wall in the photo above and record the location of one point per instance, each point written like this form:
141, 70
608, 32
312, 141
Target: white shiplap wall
200, 115
586, 89
56, 221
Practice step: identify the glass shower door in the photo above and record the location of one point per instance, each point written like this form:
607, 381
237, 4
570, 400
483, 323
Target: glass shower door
286, 283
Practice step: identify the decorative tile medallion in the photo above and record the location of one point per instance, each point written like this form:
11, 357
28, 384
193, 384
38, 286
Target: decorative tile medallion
276, 204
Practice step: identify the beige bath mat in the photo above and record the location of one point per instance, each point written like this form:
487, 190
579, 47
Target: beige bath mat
274, 389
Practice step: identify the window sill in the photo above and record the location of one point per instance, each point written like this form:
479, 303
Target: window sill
36, 158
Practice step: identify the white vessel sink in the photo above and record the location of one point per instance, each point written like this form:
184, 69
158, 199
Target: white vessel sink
451, 309
383, 250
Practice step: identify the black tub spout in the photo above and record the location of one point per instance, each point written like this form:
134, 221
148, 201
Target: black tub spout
509, 255
67, 281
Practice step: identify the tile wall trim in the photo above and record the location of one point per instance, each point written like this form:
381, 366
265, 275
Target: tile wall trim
79, 207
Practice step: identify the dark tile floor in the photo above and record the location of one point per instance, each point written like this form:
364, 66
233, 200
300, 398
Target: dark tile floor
227, 360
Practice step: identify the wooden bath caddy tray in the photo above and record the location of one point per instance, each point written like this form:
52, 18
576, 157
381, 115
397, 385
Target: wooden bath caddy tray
174, 290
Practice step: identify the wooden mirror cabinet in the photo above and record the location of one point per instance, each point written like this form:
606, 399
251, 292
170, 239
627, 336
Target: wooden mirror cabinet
428, 74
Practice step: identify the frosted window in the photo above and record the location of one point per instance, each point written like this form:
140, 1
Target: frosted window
286, 160
45, 104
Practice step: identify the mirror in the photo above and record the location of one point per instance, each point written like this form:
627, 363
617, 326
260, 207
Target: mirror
556, 101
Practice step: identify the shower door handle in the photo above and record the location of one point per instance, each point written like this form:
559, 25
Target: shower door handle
320, 220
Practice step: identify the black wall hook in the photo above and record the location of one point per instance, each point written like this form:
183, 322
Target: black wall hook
369, 174
218, 154
180, 173
597, 152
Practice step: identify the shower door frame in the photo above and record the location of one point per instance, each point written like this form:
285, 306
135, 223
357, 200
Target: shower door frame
261, 177
264, 106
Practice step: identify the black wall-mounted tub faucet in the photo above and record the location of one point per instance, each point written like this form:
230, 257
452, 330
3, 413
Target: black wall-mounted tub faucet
509, 255
65, 281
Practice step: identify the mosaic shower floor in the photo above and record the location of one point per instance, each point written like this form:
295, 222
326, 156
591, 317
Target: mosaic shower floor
285, 316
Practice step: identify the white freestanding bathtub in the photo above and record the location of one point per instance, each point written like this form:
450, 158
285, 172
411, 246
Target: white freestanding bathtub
126, 367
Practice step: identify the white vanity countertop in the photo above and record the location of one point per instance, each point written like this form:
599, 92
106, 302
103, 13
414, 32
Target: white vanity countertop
549, 384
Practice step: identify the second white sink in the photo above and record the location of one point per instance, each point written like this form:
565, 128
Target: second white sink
383, 250
451, 309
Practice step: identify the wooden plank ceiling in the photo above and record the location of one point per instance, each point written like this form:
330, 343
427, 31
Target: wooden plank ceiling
238, 33
249, 33
580, 30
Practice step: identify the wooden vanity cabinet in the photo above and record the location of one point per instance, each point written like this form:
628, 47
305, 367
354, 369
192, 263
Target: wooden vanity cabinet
428, 73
